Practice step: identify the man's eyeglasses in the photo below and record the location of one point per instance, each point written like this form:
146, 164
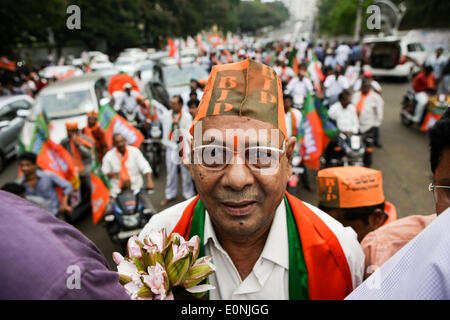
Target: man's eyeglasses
446, 191
217, 157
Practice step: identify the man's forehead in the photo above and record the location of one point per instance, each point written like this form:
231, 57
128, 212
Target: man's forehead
235, 129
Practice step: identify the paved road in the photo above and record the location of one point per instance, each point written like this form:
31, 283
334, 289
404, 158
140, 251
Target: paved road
403, 161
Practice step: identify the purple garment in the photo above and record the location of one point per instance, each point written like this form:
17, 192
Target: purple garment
37, 252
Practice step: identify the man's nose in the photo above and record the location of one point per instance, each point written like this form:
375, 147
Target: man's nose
237, 176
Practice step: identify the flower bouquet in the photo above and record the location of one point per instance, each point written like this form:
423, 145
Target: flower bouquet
156, 268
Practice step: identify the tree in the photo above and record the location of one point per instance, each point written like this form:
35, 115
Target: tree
254, 15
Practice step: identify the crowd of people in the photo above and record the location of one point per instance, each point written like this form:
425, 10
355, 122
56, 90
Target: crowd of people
249, 223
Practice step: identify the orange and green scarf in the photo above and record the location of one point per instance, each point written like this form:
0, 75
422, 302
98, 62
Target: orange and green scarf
318, 268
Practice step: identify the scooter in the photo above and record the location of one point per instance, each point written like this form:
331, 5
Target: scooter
351, 150
127, 217
437, 105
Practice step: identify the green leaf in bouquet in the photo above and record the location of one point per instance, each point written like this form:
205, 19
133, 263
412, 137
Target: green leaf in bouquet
148, 259
178, 270
123, 279
145, 292
169, 255
139, 265
197, 273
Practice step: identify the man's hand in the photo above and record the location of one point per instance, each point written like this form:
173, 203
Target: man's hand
65, 208
114, 175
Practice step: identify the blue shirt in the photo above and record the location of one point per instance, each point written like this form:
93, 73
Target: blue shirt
46, 258
420, 270
46, 188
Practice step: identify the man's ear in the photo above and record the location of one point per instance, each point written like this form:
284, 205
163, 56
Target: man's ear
185, 146
377, 218
290, 146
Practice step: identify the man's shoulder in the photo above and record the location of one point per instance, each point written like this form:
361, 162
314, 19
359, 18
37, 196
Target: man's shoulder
167, 219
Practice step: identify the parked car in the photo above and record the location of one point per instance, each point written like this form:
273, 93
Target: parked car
11, 123
169, 79
395, 57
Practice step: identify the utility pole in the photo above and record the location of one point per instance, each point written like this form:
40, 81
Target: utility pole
358, 21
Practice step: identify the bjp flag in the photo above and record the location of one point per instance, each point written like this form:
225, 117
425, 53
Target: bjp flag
99, 193
112, 123
311, 135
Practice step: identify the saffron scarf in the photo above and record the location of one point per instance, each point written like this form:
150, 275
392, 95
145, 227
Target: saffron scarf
294, 123
318, 268
77, 159
124, 175
360, 103
175, 124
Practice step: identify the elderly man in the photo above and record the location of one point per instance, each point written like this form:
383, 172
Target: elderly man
125, 166
265, 243
421, 269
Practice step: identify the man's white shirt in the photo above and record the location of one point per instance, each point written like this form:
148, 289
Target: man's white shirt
136, 165
297, 87
371, 114
269, 279
288, 118
166, 120
124, 101
346, 118
333, 86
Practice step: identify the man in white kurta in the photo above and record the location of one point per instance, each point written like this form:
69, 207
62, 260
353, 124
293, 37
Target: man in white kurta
174, 122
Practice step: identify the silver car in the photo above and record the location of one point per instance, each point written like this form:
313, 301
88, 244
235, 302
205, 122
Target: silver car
11, 123
66, 100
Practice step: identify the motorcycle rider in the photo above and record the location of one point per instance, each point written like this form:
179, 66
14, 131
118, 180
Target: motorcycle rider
343, 113
424, 84
125, 101
146, 114
125, 166
300, 85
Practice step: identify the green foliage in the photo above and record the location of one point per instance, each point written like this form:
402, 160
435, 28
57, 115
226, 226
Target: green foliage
338, 16
254, 15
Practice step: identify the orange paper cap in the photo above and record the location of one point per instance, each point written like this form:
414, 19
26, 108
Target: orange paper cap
248, 89
71, 125
350, 187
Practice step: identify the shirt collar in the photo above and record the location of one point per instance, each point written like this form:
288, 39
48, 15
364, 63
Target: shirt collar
277, 235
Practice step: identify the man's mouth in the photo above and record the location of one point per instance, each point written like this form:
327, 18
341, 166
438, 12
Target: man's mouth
239, 208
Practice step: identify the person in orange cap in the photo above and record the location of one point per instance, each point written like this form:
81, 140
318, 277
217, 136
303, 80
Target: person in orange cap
96, 134
354, 196
80, 147
264, 242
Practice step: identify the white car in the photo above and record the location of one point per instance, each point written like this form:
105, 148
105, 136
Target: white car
60, 72
66, 100
395, 57
127, 64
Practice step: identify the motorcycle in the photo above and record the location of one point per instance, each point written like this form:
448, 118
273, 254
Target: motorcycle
153, 148
351, 150
437, 104
127, 217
